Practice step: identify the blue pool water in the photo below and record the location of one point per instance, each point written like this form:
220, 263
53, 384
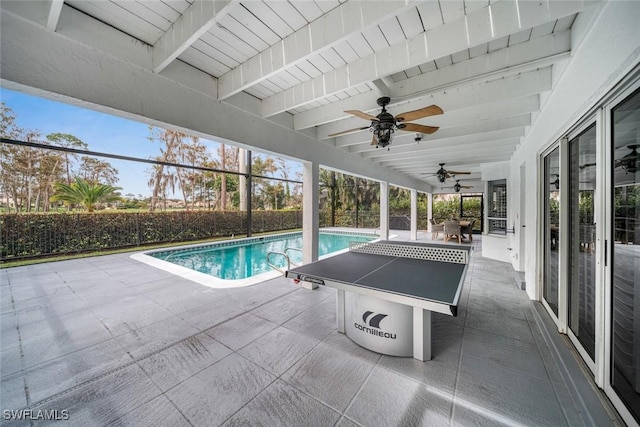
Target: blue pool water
242, 259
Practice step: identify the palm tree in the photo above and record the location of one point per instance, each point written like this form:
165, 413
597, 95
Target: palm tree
85, 193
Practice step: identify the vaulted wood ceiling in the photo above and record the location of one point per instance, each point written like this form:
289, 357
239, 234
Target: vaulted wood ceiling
488, 64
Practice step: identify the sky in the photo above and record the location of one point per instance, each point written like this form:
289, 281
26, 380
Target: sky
101, 132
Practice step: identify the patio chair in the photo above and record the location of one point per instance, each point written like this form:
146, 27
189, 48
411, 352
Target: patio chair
435, 229
468, 229
452, 230
587, 238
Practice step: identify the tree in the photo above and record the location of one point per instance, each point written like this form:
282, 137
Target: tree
94, 170
82, 192
161, 177
68, 141
177, 148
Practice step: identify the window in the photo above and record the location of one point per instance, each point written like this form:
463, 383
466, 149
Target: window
497, 207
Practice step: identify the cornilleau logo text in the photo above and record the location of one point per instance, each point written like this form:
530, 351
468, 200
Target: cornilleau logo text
374, 322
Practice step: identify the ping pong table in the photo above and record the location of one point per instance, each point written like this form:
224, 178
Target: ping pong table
386, 291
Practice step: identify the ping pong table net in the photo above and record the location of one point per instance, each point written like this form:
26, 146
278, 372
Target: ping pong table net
429, 253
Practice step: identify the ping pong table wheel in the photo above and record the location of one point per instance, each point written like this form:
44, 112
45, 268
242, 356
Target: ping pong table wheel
296, 281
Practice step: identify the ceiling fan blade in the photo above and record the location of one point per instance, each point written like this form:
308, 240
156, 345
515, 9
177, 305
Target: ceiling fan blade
414, 127
361, 114
458, 173
431, 110
348, 131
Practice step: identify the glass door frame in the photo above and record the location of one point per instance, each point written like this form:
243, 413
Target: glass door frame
598, 208
563, 235
603, 369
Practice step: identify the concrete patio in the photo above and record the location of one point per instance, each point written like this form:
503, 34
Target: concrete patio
116, 342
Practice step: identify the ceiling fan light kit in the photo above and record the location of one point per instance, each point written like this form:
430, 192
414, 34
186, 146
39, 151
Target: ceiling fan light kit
631, 162
384, 125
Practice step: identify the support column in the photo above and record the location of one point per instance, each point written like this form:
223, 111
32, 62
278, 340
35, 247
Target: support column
340, 314
310, 214
384, 210
421, 334
244, 166
414, 214
429, 211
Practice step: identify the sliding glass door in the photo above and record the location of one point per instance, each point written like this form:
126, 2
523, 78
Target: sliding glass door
625, 234
551, 229
582, 253
590, 249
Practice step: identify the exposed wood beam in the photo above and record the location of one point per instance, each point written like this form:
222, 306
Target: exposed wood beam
382, 87
54, 14
411, 148
454, 157
481, 25
194, 22
337, 25
464, 150
469, 95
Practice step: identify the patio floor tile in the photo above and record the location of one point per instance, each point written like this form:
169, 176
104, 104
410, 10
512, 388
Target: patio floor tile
57, 336
158, 412
389, 399
106, 399
219, 391
212, 313
282, 405
439, 373
280, 310
317, 322
65, 372
12, 392
330, 375
278, 350
240, 331
182, 360
156, 337
509, 394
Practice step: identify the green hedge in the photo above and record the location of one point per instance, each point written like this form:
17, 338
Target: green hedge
37, 235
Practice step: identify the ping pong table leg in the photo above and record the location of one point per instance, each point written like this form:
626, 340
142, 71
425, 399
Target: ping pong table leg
340, 311
421, 334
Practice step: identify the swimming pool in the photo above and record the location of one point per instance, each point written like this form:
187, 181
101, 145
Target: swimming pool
243, 262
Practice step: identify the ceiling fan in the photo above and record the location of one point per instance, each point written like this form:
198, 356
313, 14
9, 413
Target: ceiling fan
631, 162
443, 174
457, 187
385, 124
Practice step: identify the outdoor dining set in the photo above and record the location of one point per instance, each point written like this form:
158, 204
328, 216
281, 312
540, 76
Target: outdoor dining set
453, 229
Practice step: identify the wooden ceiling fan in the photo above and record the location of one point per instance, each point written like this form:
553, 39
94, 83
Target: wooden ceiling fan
385, 124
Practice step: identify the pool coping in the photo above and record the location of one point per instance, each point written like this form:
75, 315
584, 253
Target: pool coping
216, 282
